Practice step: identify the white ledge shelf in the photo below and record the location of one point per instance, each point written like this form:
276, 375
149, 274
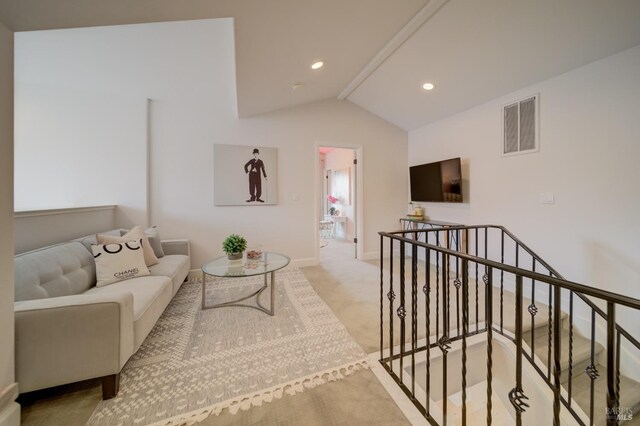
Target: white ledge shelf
49, 212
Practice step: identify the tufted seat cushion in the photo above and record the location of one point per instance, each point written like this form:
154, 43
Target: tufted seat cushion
55, 271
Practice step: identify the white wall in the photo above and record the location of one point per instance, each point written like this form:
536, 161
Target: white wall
187, 69
185, 202
9, 411
78, 141
339, 159
589, 153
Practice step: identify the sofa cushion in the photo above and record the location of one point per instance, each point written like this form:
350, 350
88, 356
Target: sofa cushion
118, 262
134, 234
154, 240
151, 295
60, 270
175, 266
90, 240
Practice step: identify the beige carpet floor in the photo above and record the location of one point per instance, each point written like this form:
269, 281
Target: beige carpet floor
351, 289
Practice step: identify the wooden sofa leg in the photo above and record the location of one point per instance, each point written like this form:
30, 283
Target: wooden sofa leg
110, 386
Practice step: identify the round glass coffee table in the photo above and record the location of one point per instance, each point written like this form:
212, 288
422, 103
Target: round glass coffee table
222, 267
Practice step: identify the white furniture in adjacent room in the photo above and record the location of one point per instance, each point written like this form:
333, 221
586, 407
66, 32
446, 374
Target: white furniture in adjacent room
340, 230
327, 228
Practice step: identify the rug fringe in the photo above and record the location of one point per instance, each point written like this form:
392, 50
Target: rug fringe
246, 401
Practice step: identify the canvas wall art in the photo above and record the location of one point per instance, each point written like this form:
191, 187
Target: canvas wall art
245, 175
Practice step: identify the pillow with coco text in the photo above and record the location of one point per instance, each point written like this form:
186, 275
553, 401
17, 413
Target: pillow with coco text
154, 240
119, 261
134, 234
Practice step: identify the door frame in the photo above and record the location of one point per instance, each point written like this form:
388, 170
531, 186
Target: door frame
359, 198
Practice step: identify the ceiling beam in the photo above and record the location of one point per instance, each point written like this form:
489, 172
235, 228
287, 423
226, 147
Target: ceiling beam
403, 35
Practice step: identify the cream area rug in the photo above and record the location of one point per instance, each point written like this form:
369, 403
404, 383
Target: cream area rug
195, 363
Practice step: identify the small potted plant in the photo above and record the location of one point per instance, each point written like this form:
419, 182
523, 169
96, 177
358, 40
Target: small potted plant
234, 245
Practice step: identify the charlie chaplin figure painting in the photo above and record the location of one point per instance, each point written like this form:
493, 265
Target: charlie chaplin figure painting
253, 168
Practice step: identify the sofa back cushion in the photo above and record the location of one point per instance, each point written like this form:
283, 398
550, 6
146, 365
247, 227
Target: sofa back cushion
91, 240
54, 271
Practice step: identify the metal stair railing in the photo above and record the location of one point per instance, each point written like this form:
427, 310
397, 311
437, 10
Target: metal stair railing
460, 252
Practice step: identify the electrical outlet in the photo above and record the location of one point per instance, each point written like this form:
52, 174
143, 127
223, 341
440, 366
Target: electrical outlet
547, 198
295, 197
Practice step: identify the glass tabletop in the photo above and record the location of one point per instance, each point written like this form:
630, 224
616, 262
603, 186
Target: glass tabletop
268, 262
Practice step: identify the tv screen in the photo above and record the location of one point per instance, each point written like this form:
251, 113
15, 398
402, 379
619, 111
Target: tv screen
437, 182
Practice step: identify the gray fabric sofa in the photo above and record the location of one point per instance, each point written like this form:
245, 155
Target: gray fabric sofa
68, 330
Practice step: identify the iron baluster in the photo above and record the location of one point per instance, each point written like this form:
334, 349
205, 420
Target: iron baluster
414, 314
516, 395
457, 282
476, 263
550, 336
592, 370
465, 331
612, 399
486, 245
437, 286
402, 312
502, 285
533, 310
486, 271
570, 384
446, 264
381, 295
443, 342
488, 314
427, 302
466, 241
391, 295
556, 356
618, 368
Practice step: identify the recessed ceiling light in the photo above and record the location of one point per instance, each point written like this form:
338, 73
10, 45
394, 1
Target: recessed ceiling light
428, 86
317, 65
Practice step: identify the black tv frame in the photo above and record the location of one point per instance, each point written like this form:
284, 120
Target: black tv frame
435, 190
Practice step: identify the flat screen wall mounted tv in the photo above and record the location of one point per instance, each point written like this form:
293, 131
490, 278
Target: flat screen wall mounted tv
437, 182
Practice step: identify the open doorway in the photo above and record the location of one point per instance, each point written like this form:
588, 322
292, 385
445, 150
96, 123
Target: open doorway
338, 212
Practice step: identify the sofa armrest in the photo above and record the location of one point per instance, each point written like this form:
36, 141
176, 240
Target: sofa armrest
67, 339
176, 247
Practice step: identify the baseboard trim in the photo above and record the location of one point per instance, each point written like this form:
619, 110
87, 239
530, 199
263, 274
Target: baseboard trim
9, 408
302, 263
375, 255
371, 255
194, 273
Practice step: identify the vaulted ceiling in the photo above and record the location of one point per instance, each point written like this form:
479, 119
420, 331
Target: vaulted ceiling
477, 51
377, 53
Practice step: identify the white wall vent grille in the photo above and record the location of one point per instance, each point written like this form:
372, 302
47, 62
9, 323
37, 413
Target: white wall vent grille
520, 126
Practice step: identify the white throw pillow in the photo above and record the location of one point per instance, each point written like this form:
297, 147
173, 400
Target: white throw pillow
135, 234
154, 240
119, 261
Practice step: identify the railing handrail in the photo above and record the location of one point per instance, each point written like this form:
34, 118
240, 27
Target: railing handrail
454, 250
560, 282
537, 258
500, 227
